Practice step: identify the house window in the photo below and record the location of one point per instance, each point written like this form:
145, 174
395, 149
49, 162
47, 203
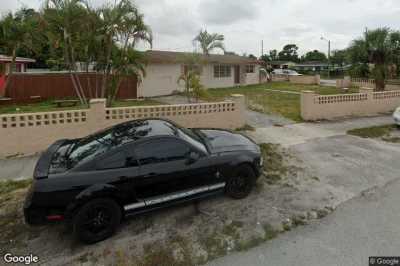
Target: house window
222, 71
250, 68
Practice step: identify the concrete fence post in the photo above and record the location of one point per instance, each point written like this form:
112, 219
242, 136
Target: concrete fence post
97, 114
307, 104
343, 83
369, 92
240, 103
318, 79
368, 105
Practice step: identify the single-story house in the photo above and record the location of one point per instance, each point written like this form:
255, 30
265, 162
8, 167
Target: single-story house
280, 64
216, 71
312, 66
21, 65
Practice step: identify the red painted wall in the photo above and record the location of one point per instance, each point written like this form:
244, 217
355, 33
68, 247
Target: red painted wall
2, 83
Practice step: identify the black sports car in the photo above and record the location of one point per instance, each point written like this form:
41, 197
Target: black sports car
135, 167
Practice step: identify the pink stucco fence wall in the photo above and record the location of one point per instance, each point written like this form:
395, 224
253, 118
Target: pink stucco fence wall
367, 102
28, 133
364, 83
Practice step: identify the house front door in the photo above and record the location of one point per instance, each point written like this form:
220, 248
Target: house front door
237, 74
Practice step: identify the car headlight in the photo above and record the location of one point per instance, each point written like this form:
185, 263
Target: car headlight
261, 161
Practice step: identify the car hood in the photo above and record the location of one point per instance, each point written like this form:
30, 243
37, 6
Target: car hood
225, 141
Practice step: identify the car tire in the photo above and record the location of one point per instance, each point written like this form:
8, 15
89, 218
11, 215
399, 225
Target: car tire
241, 183
96, 220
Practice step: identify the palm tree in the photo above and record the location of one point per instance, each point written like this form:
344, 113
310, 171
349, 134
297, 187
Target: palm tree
125, 63
123, 28
66, 21
17, 31
192, 65
208, 42
376, 47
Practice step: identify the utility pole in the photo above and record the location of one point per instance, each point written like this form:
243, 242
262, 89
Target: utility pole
262, 47
329, 59
329, 56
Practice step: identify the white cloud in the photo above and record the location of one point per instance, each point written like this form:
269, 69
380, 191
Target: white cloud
227, 11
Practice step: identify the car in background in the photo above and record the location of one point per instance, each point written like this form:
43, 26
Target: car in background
287, 72
135, 167
396, 116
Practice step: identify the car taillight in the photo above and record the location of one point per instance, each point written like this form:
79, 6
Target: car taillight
55, 217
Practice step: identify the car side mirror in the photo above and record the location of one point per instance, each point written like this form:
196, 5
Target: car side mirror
192, 157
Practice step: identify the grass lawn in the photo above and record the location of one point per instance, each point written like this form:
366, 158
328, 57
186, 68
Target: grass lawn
388, 133
48, 106
145, 102
264, 98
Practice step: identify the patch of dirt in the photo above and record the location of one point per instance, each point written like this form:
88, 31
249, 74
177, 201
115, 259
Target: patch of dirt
286, 195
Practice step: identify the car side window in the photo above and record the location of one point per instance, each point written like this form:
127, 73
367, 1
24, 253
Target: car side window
161, 151
114, 161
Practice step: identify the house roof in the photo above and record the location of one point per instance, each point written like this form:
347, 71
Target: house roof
5, 58
280, 62
312, 63
154, 56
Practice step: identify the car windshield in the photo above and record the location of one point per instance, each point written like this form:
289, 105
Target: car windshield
192, 138
189, 136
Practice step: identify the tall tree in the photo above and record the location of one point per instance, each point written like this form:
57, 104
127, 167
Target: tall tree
210, 41
273, 55
18, 31
104, 38
339, 57
289, 53
123, 29
376, 47
314, 56
65, 20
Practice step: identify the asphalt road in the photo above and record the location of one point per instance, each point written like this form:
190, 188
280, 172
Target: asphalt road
364, 226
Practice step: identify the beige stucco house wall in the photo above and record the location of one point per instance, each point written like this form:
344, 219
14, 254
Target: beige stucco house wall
163, 72
160, 79
253, 78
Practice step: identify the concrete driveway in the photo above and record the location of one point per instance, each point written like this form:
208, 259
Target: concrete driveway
365, 226
18, 168
293, 134
366, 175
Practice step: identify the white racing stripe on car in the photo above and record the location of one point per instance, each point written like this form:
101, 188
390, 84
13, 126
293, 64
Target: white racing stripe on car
174, 196
134, 206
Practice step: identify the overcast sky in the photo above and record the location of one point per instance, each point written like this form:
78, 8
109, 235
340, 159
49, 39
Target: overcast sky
246, 22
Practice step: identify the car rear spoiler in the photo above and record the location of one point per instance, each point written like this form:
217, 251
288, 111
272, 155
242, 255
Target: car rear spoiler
42, 166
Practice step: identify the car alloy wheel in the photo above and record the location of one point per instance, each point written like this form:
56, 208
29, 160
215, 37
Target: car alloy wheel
97, 220
240, 185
